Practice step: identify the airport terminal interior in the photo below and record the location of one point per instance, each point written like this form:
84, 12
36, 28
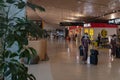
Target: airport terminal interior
68, 25
62, 19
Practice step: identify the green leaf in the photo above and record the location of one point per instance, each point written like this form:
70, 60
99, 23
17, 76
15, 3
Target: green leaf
31, 77
7, 54
14, 61
21, 5
13, 67
1, 7
10, 39
10, 1
7, 73
1, 1
5, 67
1, 67
1, 57
33, 51
20, 46
14, 77
23, 67
13, 55
25, 53
21, 39
33, 6
10, 43
1, 34
3, 25
25, 41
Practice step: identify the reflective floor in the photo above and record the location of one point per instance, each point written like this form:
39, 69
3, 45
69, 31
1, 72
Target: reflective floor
65, 64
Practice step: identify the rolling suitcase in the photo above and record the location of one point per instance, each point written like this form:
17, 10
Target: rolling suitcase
94, 52
94, 57
81, 50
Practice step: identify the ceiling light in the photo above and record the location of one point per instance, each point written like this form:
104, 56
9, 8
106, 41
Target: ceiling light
79, 15
71, 18
113, 11
67, 20
113, 16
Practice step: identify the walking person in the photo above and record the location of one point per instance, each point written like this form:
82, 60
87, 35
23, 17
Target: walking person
85, 43
99, 37
113, 43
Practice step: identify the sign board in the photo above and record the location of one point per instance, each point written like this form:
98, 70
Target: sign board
104, 33
114, 21
71, 24
87, 25
100, 25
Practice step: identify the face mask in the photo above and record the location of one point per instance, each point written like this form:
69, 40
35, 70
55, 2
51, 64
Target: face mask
86, 35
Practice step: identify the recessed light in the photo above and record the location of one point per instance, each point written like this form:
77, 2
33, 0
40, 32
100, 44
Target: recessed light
71, 18
113, 11
78, 1
79, 15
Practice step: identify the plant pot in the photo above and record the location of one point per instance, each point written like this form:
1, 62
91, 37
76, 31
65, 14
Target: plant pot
33, 60
41, 47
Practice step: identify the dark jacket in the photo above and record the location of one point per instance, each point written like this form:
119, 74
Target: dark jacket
85, 41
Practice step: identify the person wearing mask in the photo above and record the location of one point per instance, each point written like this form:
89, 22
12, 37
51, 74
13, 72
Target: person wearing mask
85, 40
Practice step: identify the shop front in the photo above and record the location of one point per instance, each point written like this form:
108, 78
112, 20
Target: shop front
117, 22
93, 29
104, 29
74, 32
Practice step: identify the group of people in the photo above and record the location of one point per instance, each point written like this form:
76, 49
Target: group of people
85, 40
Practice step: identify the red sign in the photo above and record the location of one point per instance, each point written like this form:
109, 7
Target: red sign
96, 25
103, 25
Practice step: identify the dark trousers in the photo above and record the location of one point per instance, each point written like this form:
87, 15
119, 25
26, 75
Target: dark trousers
113, 49
98, 43
85, 55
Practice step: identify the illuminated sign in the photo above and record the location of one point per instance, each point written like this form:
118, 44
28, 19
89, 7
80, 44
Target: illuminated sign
100, 25
87, 25
114, 21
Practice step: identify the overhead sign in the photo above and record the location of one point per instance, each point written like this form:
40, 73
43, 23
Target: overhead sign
87, 25
114, 21
71, 24
100, 25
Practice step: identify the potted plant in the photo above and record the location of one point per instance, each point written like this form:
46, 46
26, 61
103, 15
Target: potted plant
14, 32
40, 45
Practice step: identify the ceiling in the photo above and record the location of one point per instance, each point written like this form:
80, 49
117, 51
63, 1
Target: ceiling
75, 10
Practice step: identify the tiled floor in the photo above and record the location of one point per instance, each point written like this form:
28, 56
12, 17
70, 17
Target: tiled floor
64, 64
